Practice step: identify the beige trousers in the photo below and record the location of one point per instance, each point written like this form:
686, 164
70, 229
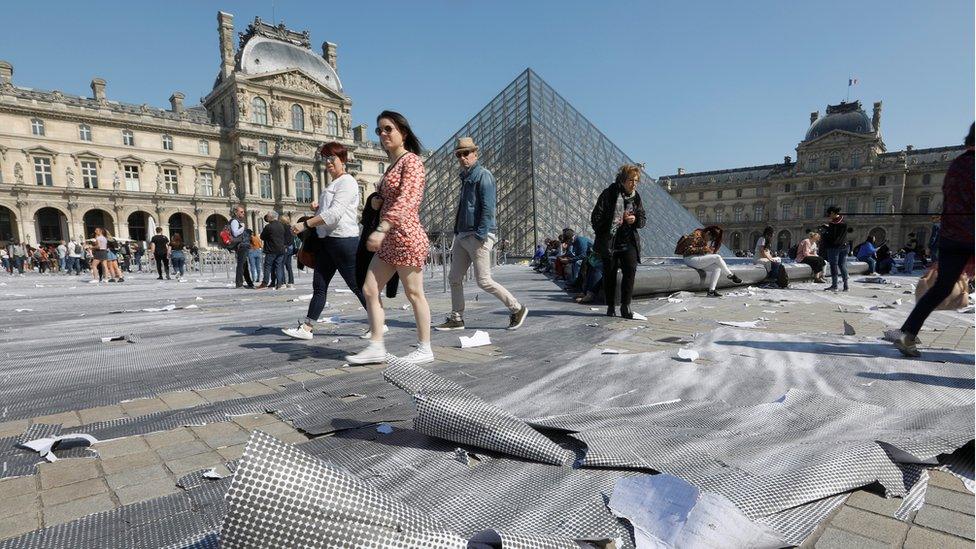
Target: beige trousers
467, 251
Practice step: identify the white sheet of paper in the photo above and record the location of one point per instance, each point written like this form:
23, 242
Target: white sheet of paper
750, 324
612, 352
690, 355
479, 339
43, 445
213, 474
24, 310
638, 316
191, 307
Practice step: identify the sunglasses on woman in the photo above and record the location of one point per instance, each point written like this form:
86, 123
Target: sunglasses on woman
385, 129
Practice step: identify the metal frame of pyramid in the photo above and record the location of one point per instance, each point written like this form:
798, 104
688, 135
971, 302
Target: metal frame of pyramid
551, 164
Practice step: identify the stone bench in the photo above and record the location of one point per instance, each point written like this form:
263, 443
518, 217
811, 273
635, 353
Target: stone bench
676, 277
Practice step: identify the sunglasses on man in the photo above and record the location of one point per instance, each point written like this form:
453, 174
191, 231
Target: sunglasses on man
462, 154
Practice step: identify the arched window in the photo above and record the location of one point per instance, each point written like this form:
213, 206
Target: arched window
297, 117
215, 223
787, 212
331, 123
303, 187
382, 167
737, 214
84, 132
167, 142
259, 111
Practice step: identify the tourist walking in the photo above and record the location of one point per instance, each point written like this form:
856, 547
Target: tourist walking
956, 242
700, 251
868, 253
99, 254
835, 241
62, 250
111, 265
616, 218
18, 256
159, 248
400, 241
291, 248
369, 220
177, 255
255, 256
273, 236
337, 234
241, 243
806, 253
474, 238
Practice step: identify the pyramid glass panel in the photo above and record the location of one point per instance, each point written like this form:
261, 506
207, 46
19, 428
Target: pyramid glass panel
550, 164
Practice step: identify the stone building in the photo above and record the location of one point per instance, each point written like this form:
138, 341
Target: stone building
69, 164
842, 160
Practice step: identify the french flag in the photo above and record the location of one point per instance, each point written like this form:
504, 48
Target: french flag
852, 81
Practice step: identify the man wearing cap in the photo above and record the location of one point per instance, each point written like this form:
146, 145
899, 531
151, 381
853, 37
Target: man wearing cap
474, 238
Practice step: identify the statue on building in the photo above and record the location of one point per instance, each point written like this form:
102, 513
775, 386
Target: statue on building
117, 181
18, 174
243, 103
346, 121
69, 175
318, 116
277, 111
160, 186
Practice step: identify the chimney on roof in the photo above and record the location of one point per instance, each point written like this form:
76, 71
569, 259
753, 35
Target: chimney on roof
814, 116
330, 54
98, 89
876, 119
359, 133
225, 30
6, 72
787, 159
681, 171
176, 102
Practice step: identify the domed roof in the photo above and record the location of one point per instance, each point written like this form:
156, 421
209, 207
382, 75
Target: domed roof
849, 117
264, 55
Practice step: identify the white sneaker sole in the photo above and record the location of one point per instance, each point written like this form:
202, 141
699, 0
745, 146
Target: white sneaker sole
519, 325
416, 361
439, 329
376, 359
297, 333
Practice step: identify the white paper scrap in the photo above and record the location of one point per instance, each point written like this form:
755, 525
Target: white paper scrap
612, 352
113, 338
191, 307
213, 474
689, 355
405, 306
479, 339
24, 310
334, 319
44, 446
638, 316
169, 307
750, 324
198, 298
342, 290
594, 308
593, 325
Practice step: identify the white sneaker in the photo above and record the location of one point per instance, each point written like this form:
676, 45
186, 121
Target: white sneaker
419, 356
368, 334
374, 353
90, 281
303, 331
290, 286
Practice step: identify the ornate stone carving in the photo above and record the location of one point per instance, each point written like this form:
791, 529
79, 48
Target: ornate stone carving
18, 174
346, 122
295, 81
280, 32
69, 175
243, 103
160, 186
277, 111
145, 109
318, 117
116, 181
298, 148
57, 96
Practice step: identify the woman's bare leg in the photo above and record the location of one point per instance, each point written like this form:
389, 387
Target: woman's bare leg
380, 272
413, 286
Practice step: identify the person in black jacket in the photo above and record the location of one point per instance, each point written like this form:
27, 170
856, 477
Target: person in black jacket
835, 242
616, 218
274, 236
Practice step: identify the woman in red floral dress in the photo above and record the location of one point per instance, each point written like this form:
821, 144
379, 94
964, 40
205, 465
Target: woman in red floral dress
400, 241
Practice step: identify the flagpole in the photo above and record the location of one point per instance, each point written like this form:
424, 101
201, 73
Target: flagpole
849, 87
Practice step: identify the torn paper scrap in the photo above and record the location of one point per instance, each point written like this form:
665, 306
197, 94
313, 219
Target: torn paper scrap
637, 316
592, 325
130, 338
169, 307
848, 329
612, 352
479, 339
303, 297
23, 310
666, 511
334, 319
46, 446
749, 324
198, 298
689, 355
213, 474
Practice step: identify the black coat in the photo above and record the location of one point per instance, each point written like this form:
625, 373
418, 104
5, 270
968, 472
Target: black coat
276, 236
834, 234
602, 219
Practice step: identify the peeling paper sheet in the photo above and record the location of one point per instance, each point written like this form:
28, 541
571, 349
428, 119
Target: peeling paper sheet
479, 339
638, 316
45, 446
750, 324
612, 352
689, 355
667, 512
213, 474
334, 319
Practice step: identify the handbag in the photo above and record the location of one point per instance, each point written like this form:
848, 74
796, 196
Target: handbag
957, 299
310, 246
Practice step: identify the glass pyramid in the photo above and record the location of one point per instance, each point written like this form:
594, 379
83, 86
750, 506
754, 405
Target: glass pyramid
550, 164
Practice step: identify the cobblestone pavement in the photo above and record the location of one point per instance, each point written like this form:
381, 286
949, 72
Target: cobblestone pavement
221, 345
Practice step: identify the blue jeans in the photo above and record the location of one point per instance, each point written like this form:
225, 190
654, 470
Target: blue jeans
594, 278
73, 264
179, 262
254, 260
872, 264
837, 257
19, 263
909, 265
334, 254
286, 262
274, 272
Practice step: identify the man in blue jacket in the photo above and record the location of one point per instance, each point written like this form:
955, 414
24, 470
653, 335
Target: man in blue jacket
576, 253
474, 237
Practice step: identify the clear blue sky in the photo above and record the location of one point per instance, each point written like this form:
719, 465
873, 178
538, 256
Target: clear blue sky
701, 85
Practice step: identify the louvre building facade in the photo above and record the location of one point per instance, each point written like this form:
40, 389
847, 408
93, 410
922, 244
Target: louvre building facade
841, 160
69, 164
550, 164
